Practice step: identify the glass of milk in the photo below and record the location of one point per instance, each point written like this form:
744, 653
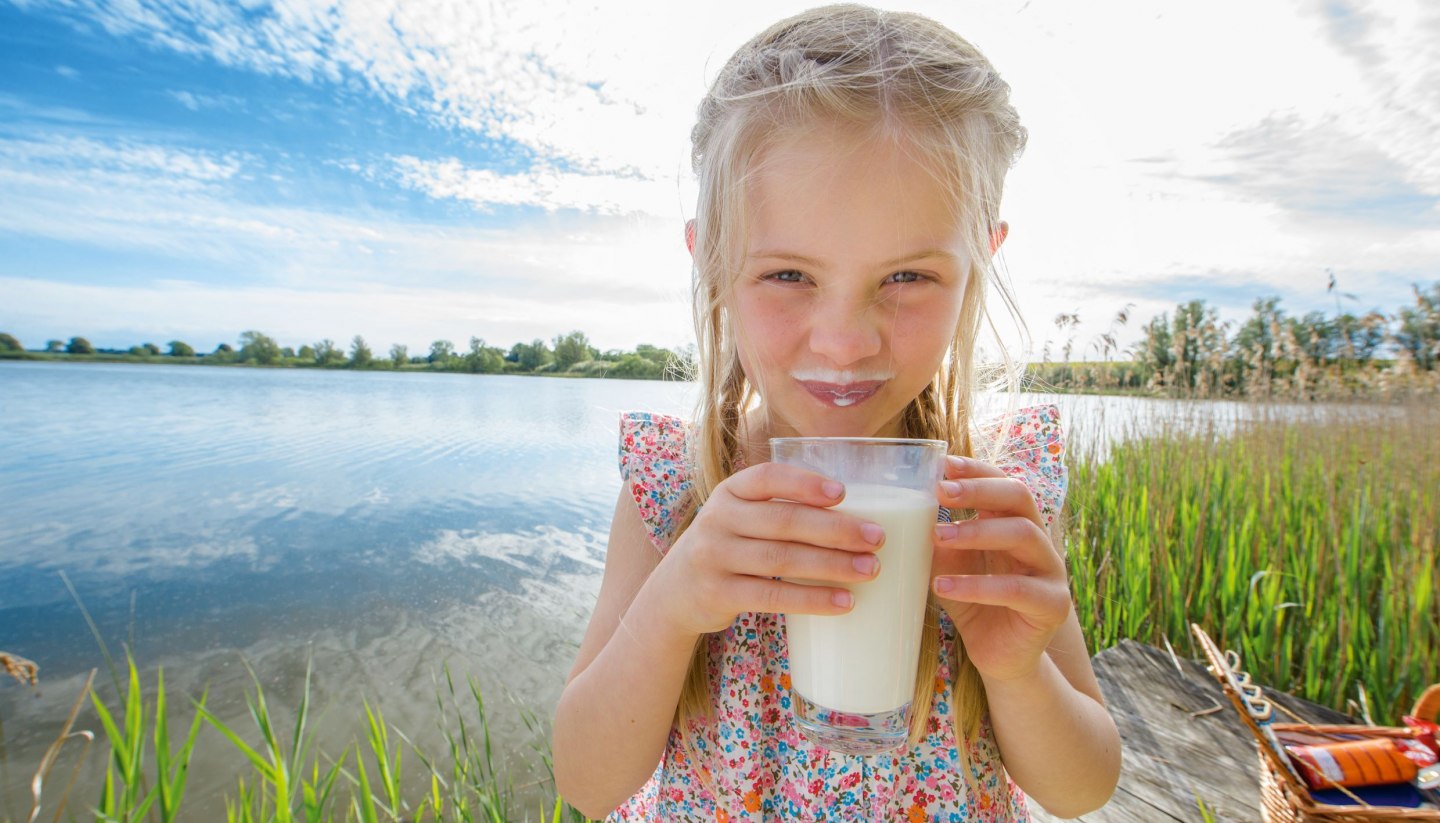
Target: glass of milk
852, 676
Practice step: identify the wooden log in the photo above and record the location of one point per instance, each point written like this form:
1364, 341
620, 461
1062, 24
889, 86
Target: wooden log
1183, 744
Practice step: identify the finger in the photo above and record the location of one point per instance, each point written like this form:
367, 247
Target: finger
781, 520
997, 495
1040, 600
759, 594
769, 481
957, 467
768, 558
1023, 539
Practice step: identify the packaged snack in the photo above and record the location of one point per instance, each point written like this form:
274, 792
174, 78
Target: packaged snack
1425, 732
1366, 762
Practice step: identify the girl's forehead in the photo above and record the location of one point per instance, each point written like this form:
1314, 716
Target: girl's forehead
839, 190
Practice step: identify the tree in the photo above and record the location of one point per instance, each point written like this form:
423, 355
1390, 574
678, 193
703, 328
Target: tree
305, 353
180, 348
54, 346
667, 363
1419, 332
572, 348
1257, 345
256, 347
9, 343
1154, 351
635, 366
360, 355
79, 345
483, 359
440, 352
326, 354
531, 356
224, 353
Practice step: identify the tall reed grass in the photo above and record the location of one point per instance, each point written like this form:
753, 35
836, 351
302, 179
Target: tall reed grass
1304, 539
282, 777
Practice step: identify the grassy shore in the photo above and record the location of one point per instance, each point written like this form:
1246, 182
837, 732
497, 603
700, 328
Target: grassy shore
1304, 540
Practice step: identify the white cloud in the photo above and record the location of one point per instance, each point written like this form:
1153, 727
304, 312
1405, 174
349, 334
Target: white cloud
539, 187
195, 101
532, 73
122, 155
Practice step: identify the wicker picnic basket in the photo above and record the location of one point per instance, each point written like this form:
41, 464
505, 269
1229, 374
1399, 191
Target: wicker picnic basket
1284, 797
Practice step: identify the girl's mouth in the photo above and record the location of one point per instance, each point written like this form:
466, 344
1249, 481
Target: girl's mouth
842, 395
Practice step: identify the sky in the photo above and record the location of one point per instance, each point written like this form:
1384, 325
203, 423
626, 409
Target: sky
412, 170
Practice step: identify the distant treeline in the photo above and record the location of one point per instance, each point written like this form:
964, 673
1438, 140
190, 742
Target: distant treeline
1187, 353
569, 354
1192, 353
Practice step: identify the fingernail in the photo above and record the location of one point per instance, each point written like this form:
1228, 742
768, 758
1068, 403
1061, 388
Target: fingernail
866, 564
958, 462
947, 531
833, 489
843, 599
950, 487
872, 533
944, 584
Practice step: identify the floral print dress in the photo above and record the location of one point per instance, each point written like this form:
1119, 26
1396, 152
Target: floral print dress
750, 762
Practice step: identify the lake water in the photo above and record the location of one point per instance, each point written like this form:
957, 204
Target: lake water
382, 525
377, 526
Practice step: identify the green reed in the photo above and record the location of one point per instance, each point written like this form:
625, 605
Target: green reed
1307, 545
286, 778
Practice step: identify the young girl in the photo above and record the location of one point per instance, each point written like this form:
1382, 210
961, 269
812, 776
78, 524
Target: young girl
850, 163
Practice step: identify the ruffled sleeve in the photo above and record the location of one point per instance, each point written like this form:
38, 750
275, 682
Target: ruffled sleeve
1031, 446
653, 466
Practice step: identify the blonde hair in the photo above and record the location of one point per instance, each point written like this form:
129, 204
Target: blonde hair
885, 76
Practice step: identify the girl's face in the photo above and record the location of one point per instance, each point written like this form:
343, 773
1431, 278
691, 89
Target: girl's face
851, 287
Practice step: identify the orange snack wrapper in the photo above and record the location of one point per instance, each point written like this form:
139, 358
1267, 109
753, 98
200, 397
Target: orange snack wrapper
1353, 763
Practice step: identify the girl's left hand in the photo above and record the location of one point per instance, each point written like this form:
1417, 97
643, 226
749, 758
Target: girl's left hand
998, 575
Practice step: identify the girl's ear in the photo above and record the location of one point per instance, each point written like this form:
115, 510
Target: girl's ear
690, 236
998, 233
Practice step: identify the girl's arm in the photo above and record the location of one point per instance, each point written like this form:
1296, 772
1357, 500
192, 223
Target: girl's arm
765, 522
1004, 584
614, 715
1056, 737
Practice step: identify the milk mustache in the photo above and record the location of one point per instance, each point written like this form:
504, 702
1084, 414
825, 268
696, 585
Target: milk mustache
864, 661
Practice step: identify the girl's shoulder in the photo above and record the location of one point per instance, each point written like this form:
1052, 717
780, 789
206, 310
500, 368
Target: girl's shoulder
655, 469
1029, 443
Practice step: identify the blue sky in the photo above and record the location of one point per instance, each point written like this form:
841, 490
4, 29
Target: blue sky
445, 169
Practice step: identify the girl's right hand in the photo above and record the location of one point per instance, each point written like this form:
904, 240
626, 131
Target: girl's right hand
761, 523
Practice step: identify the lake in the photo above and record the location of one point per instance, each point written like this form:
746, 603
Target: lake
374, 525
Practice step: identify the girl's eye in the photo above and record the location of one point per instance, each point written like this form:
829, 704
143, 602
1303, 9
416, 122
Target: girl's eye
904, 277
786, 276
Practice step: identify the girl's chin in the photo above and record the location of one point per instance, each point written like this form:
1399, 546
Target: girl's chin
838, 423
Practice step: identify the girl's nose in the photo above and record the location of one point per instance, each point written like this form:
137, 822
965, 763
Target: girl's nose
844, 334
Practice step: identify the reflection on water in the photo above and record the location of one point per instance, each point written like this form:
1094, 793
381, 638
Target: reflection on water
377, 525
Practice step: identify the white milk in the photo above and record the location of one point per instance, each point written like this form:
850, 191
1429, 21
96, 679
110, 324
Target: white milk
864, 661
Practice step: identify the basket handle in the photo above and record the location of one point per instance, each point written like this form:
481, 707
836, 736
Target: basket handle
1253, 708
1427, 706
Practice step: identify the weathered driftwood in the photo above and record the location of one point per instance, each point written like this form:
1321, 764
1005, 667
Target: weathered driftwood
1183, 743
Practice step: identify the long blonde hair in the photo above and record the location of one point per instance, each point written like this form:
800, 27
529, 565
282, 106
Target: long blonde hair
884, 74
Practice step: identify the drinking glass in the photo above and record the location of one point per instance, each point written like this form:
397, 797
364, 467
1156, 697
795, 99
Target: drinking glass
852, 676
